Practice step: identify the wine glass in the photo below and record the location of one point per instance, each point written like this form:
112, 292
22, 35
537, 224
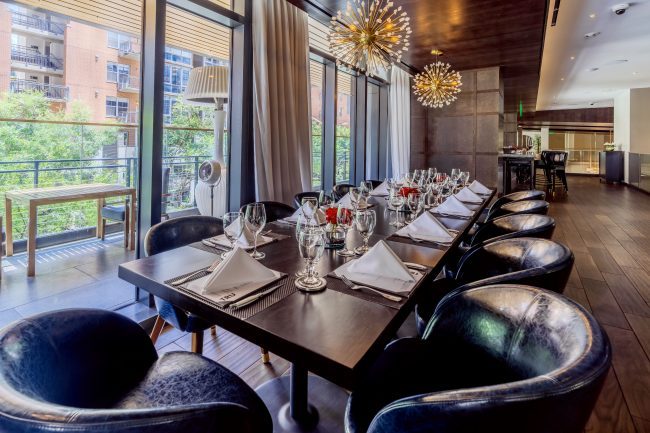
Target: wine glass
233, 227
366, 188
255, 219
434, 194
311, 244
355, 194
364, 221
431, 173
396, 201
345, 219
310, 209
464, 177
413, 202
455, 172
303, 225
446, 189
323, 199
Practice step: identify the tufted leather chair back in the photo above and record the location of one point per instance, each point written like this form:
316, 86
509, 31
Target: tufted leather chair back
274, 210
65, 370
339, 190
539, 262
547, 357
515, 226
177, 232
516, 196
539, 207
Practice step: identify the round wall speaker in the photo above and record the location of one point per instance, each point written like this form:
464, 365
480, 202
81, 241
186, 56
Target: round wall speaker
210, 172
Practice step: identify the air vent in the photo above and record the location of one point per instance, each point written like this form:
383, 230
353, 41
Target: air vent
556, 10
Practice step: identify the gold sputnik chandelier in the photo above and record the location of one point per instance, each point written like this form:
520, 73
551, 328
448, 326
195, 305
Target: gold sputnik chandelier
369, 36
437, 85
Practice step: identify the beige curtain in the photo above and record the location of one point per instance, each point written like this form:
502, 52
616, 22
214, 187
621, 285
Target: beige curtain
281, 119
400, 121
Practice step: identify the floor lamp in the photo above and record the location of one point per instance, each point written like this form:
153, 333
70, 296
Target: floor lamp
208, 85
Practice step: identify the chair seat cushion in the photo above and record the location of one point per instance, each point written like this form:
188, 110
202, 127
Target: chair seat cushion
181, 378
115, 213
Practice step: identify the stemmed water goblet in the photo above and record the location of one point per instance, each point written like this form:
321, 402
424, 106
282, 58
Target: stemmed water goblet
345, 220
311, 243
233, 227
255, 220
311, 203
364, 222
355, 195
413, 202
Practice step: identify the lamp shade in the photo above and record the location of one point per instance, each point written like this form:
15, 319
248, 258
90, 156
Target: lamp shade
206, 84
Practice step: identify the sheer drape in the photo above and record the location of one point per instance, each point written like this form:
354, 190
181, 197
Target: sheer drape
281, 119
400, 121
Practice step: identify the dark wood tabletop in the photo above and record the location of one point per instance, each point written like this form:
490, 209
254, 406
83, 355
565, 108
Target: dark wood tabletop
334, 333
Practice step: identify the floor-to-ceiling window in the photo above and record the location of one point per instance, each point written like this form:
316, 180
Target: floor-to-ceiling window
582, 148
344, 125
317, 76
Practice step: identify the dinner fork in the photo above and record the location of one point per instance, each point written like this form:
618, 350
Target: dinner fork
353, 286
191, 276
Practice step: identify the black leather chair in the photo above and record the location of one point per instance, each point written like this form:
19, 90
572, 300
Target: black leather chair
274, 210
504, 358
375, 183
537, 262
297, 199
516, 196
168, 235
539, 207
555, 167
86, 370
339, 190
515, 226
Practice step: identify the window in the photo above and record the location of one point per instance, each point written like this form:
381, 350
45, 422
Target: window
116, 72
344, 105
168, 108
117, 107
178, 56
213, 61
316, 77
176, 78
115, 40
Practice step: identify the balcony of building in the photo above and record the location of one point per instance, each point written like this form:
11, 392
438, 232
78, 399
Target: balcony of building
130, 117
53, 92
30, 58
37, 25
129, 84
129, 49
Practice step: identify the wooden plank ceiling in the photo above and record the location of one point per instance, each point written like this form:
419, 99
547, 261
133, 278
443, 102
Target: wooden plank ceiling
184, 30
476, 34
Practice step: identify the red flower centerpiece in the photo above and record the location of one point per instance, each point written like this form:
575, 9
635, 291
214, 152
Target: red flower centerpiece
335, 235
405, 191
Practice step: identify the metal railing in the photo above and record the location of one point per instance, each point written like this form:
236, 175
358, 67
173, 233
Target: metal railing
50, 91
126, 83
127, 48
38, 23
33, 56
130, 117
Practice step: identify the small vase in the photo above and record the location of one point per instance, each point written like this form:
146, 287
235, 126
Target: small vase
335, 237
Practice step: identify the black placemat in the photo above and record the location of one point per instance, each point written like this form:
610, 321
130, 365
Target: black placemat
288, 288
403, 240
335, 283
201, 246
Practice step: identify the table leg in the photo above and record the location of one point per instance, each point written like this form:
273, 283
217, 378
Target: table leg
31, 241
100, 220
9, 226
295, 409
132, 222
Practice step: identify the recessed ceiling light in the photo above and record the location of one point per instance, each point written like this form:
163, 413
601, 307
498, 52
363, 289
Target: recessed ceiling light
634, 73
573, 57
591, 35
562, 79
592, 15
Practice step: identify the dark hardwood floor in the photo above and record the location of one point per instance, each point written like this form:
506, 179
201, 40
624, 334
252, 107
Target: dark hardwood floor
606, 226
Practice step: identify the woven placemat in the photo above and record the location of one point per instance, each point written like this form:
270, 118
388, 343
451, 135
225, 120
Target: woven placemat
201, 246
288, 288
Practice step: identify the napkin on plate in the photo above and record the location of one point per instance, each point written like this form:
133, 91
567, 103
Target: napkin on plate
468, 196
381, 190
479, 188
236, 277
247, 238
381, 268
305, 209
453, 206
428, 228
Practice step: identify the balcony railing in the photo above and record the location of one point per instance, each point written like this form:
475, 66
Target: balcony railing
129, 49
33, 56
50, 91
129, 84
130, 117
38, 23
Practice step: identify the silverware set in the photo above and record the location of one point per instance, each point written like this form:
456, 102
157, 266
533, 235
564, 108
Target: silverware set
353, 286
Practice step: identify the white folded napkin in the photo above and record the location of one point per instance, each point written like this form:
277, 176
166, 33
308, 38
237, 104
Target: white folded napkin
305, 209
479, 188
453, 206
247, 238
428, 228
234, 278
380, 268
468, 196
345, 201
381, 190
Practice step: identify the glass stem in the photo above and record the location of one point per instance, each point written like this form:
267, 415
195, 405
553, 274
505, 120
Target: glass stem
255, 246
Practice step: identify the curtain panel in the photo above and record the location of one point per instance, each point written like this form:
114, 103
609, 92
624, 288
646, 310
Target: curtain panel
282, 118
400, 121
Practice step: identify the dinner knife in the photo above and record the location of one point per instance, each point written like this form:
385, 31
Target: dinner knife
253, 298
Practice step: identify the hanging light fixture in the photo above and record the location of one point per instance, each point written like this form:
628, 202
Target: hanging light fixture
437, 85
369, 36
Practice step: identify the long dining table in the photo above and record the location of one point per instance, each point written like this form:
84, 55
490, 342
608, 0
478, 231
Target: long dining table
335, 334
